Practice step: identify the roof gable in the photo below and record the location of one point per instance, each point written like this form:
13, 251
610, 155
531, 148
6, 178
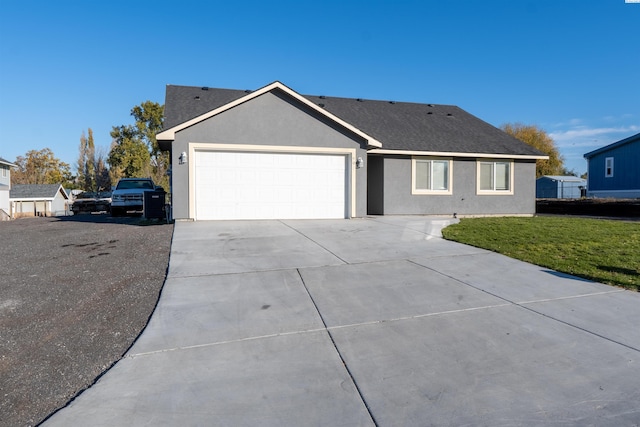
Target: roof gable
394, 126
36, 191
169, 134
633, 138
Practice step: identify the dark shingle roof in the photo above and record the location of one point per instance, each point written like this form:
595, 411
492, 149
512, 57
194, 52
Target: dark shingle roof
424, 127
183, 103
30, 191
397, 125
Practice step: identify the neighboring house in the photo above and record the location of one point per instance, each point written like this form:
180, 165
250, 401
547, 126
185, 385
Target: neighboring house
273, 153
38, 200
560, 187
5, 187
613, 170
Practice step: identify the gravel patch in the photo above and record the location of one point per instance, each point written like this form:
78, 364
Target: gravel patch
75, 293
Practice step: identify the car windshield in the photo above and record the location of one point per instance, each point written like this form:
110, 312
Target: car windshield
129, 185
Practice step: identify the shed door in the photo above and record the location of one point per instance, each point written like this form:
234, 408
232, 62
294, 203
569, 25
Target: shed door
253, 185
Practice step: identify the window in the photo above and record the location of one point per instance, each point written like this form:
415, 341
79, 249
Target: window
431, 176
608, 167
495, 177
4, 171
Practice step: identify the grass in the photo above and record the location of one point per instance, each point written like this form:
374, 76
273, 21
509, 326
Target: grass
604, 251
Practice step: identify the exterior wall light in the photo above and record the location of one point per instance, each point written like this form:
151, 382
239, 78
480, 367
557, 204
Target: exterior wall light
359, 163
183, 158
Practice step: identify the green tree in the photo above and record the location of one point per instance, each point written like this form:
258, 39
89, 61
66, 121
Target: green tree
126, 158
539, 139
41, 167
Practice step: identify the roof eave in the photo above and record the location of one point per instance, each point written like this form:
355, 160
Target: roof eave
459, 154
612, 145
32, 199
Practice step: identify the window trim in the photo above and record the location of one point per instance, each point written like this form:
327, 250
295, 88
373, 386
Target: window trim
495, 192
419, 191
608, 173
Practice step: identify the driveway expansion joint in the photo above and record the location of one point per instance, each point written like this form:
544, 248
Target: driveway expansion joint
570, 297
216, 343
525, 307
335, 346
310, 239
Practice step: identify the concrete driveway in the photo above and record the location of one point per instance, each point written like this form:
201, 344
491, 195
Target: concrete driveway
373, 321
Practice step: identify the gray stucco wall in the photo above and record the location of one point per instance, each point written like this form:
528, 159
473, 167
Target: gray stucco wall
398, 199
270, 119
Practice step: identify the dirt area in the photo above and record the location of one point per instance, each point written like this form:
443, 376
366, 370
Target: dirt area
75, 292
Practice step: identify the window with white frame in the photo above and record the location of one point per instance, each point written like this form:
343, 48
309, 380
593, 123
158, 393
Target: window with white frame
4, 170
431, 176
608, 167
495, 177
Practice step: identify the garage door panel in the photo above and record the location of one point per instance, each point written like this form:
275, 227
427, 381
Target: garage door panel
231, 185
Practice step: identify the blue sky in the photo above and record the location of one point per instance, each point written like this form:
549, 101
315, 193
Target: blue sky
570, 67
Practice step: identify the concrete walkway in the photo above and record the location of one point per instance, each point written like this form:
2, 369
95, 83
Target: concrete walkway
365, 322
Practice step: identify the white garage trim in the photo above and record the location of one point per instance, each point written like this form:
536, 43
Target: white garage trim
350, 153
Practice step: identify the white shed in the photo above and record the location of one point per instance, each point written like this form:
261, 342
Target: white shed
38, 200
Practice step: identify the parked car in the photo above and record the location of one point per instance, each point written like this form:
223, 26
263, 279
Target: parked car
89, 201
129, 195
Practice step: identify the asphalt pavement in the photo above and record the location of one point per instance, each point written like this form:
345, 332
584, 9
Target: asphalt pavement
375, 321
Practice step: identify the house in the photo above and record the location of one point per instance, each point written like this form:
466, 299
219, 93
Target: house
560, 187
613, 170
5, 186
38, 200
273, 153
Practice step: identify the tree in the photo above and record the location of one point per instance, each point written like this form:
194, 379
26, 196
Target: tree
86, 163
127, 158
103, 180
93, 174
539, 139
41, 167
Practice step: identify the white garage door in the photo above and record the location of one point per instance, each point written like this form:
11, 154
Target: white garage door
248, 185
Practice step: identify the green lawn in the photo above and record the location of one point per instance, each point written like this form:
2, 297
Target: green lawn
601, 250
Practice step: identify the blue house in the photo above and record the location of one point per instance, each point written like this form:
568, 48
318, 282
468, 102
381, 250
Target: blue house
613, 170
